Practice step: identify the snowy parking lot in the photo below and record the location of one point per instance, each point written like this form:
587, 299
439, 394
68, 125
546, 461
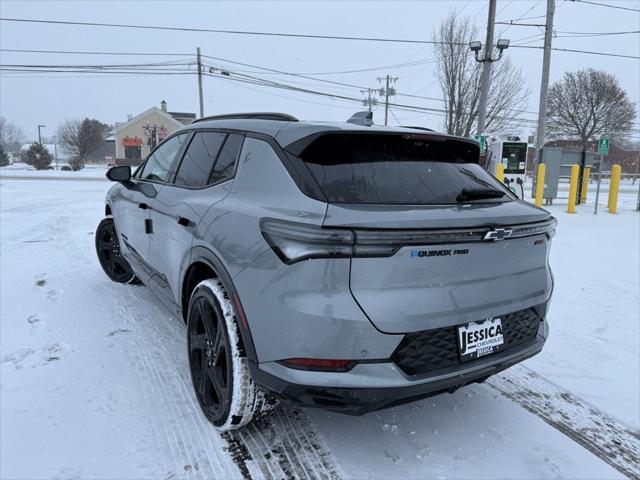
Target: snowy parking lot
94, 380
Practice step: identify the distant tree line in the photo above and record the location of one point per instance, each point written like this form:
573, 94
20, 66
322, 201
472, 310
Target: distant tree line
83, 139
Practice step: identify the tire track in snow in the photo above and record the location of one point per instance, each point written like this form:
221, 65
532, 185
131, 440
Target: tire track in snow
602, 435
271, 443
283, 445
192, 451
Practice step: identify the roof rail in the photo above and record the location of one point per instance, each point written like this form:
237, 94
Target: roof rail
282, 117
419, 128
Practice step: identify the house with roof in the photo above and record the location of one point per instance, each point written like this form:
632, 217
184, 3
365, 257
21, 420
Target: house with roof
140, 134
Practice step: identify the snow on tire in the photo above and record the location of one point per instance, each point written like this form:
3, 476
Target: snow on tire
247, 401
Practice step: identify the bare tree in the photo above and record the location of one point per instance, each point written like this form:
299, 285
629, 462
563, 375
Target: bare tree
11, 136
587, 104
80, 138
459, 76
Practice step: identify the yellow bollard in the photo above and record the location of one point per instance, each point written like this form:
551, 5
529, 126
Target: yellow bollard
573, 188
616, 171
540, 184
500, 172
585, 184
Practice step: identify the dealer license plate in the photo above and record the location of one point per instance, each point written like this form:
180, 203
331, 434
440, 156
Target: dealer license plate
477, 339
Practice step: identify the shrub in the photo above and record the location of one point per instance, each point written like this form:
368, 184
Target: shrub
75, 163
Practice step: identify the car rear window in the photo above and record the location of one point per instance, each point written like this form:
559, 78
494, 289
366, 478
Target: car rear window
396, 169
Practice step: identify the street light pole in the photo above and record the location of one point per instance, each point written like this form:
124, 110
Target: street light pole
486, 68
39, 135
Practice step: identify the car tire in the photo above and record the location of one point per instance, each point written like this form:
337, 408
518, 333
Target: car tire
218, 363
109, 254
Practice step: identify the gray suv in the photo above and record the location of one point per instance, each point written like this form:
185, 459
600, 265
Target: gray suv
335, 265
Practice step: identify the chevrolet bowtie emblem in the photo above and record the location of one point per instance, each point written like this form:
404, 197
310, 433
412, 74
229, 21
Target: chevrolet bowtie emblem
498, 234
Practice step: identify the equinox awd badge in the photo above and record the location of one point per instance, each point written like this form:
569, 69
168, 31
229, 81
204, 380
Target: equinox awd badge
498, 234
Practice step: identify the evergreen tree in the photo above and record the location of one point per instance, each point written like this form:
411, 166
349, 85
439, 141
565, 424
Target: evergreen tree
4, 158
38, 156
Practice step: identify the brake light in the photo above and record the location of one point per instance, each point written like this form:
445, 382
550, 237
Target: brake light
320, 364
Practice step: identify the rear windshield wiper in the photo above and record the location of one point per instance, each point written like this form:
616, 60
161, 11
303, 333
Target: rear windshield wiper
478, 193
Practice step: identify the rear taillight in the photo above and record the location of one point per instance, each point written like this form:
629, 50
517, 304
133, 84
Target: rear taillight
548, 227
293, 241
319, 364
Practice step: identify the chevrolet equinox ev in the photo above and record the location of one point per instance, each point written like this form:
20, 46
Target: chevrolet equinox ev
343, 266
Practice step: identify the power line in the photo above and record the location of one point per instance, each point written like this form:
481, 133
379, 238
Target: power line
232, 76
286, 35
232, 32
119, 72
177, 63
520, 17
607, 5
604, 54
267, 83
600, 33
77, 52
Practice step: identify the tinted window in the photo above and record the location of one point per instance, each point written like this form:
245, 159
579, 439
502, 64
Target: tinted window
158, 165
225, 166
198, 161
396, 169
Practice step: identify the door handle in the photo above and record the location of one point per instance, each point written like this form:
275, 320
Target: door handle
143, 206
185, 222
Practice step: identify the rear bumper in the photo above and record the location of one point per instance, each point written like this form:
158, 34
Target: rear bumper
374, 386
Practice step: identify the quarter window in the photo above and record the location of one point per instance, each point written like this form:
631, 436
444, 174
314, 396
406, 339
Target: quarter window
198, 161
158, 165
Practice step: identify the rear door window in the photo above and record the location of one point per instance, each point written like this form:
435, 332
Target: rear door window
397, 169
197, 164
226, 163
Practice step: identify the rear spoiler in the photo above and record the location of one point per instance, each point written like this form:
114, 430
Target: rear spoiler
296, 148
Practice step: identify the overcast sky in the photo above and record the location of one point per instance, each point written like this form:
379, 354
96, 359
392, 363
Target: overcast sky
47, 98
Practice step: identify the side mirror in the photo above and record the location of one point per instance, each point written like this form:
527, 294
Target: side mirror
119, 174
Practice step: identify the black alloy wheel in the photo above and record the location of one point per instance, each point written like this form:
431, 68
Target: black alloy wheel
109, 255
210, 359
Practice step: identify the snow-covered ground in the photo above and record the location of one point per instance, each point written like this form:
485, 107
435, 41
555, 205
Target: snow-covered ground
94, 381
18, 169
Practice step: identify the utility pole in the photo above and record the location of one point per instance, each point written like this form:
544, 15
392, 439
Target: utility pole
370, 101
39, 135
544, 84
200, 81
486, 68
386, 92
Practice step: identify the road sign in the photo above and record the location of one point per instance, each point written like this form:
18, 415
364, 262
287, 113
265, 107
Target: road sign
603, 146
482, 140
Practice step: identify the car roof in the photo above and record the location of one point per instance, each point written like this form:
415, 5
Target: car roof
287, 132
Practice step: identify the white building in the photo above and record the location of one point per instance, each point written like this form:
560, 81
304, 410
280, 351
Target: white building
136, 137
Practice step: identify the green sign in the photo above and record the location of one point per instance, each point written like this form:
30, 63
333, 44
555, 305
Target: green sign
482, 140
603, 146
